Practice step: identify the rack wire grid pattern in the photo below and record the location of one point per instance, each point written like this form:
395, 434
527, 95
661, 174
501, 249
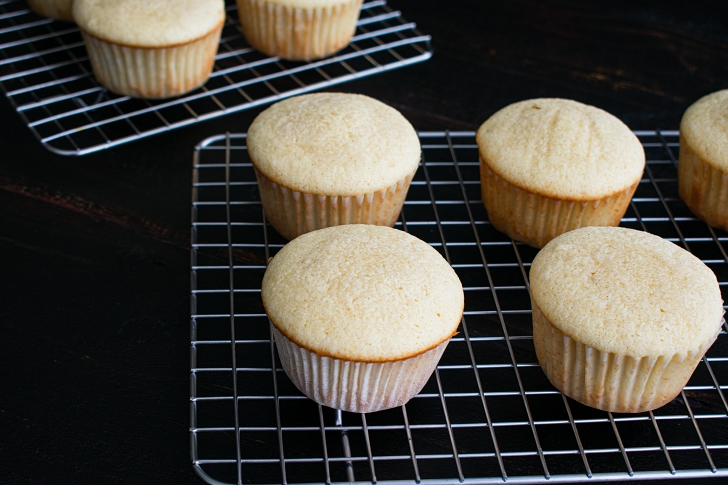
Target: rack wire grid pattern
47, 77
488, 413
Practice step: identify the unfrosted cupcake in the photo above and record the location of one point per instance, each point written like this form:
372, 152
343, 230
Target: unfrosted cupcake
55, 9
621, 318
361, 314
703, 164
330, 158
299, 30
548, 166
151, 49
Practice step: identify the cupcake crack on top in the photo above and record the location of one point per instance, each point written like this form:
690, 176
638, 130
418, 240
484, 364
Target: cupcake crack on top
151, 49
551, 165
361, 314
621, 317
331, 158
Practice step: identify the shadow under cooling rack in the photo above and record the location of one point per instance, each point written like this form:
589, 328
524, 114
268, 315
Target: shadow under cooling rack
488, 413
46, 75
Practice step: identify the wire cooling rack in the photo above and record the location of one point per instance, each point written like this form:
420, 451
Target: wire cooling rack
488, 413
46, 75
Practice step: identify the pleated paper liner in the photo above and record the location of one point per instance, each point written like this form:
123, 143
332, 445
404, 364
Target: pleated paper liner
609, 381
153, 73
300, 34
359, 387
535, 220
703, 187
293, 213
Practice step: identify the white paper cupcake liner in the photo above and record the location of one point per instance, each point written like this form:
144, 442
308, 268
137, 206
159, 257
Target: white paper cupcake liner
535, 219
293, 213
153, 73
703, 187
608, 381
55, 9
359, 387
300, 34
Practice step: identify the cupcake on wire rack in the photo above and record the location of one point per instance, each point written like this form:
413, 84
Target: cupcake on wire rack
361, 314
548, 166
328, 159
151, 49
703, 164
300, 30
621, 317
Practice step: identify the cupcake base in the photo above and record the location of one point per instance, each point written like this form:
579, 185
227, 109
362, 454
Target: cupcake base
702, 187
608, 381
535, 220
358, 387
293, 213
299, 34
153, 73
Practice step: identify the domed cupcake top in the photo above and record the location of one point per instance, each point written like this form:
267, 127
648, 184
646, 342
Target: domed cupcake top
562, 149
626, 292
362, 293
333, 144
705, 126
147, 23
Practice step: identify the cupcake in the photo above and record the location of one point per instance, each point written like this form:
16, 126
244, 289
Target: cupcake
361, 314
55, 9
702, 171
151, 49
548, 166
299, 30
330, 158
621, 318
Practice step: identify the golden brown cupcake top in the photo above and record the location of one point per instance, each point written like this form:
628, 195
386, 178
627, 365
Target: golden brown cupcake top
362, 293
627, 292
333, 144
561, 149
149, 23
704, 127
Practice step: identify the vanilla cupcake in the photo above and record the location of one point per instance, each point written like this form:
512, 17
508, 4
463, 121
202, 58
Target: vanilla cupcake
548, 166
330, 158
621, 318
703, 164
151, 49
299, 30
361, 314
55, 9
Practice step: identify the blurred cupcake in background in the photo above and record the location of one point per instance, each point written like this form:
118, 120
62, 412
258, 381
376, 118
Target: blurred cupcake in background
55, 9
151, 49
299, 30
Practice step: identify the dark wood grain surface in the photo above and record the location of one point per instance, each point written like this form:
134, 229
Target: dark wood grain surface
94, 300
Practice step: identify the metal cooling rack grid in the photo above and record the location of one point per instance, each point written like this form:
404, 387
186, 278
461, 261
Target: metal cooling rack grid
46, 75
488, 413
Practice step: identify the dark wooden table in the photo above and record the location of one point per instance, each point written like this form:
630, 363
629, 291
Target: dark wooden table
94, 307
